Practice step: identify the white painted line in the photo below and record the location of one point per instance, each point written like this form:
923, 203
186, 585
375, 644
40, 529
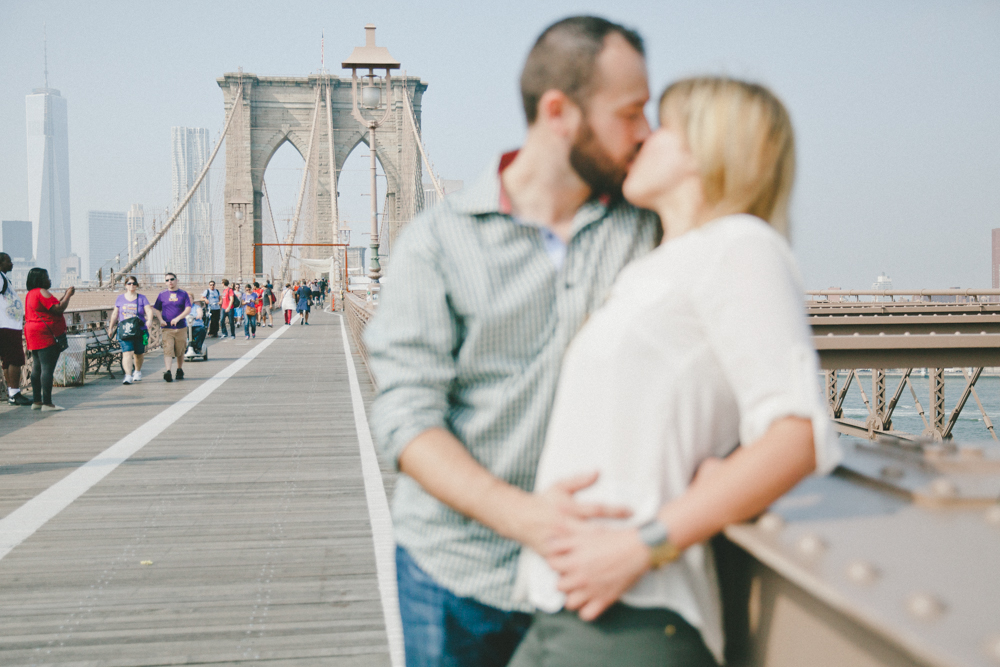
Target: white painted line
20, 524
378, 514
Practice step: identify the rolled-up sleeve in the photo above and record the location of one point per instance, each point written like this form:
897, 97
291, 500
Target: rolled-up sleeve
751, 302
411, 342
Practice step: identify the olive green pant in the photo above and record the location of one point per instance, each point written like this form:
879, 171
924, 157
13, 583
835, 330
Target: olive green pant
622, 635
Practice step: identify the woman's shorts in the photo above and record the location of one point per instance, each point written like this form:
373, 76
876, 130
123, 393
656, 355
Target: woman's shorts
137, 344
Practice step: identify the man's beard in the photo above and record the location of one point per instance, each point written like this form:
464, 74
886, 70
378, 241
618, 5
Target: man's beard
593, 164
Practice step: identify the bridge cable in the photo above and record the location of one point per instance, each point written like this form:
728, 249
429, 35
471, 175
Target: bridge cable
416, 134
204, 172
302, 188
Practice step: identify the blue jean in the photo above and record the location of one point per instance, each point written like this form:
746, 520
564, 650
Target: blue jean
230, 316
250, 325
441, 629
198, 337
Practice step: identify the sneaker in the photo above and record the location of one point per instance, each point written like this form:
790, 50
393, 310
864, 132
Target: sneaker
19, 399
51, 408
36, 406
136, 376
180, 374
127, 379
248, 337
253, 335
167, 376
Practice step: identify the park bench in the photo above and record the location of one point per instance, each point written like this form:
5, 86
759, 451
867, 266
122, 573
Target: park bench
102, 351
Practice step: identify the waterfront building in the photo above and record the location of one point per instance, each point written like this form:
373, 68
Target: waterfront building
69, 269
107, 238
137, 236
192, 232
48, 177
15, 239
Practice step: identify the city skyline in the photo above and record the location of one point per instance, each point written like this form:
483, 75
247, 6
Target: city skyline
893, 106
191, 233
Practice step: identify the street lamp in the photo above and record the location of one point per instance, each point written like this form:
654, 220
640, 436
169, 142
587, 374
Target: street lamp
238, 214
372, 58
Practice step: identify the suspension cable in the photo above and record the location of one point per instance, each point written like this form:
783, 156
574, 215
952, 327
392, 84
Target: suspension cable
416, 135
204, 172
302, 187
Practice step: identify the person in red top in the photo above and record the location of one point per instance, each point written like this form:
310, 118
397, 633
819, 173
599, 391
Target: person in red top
228, 311
43, 321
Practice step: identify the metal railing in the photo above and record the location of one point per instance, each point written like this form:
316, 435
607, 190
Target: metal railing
358, 312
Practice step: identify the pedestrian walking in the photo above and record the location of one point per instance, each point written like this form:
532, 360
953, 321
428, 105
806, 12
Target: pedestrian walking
303, 293
131, 314
172, 306
228, 309
267, 299
45, 334
288, 302
11, 324
250, 313
213, 298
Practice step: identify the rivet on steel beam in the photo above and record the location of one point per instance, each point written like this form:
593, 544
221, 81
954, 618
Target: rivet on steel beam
924, 606
771, 523
933, 334
862, 572
993, 515
906, 333
856, 333
943, 487
811, 545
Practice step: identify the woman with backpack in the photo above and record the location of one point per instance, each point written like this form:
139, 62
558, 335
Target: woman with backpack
132, 312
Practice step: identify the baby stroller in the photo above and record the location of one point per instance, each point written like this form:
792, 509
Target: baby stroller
191, 354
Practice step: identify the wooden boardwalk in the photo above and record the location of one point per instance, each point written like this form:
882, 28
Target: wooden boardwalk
239, 534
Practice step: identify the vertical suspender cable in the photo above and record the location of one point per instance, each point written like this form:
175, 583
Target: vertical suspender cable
302, 189
416, 135
204, 172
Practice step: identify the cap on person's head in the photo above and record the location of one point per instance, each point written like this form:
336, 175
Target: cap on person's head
564, 58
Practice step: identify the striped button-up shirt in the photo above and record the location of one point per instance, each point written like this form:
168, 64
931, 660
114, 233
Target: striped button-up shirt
469, 336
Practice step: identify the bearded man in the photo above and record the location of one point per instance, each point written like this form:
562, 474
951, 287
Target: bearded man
487, 290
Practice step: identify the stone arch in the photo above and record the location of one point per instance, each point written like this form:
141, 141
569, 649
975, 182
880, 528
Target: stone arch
279, 109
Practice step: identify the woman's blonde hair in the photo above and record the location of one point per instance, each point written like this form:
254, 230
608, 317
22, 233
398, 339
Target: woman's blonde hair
741, 136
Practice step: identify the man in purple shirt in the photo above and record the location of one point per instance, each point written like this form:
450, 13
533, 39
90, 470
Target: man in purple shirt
172, 306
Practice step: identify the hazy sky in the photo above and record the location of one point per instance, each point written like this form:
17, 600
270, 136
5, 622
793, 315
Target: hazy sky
896, 104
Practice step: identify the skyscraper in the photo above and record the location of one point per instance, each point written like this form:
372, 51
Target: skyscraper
107, 233
137, 236
192, 232
48, 177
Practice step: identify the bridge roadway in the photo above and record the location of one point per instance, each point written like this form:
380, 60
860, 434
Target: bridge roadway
245, 530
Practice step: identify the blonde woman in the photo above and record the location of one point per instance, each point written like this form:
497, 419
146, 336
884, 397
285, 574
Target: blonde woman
134, 312
692, 393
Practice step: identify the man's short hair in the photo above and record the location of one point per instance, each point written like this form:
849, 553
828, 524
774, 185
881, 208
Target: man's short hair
4, 256
170, 274
225, 281
565, 58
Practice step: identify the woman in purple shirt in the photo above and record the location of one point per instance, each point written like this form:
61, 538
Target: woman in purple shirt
132, 335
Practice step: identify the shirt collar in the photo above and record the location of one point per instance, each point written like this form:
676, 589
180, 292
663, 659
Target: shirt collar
487, 195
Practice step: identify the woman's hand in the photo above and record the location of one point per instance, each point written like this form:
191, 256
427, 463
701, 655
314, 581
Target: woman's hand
549, 516
597, 564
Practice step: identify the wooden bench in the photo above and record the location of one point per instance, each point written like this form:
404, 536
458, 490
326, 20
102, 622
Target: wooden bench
102, 351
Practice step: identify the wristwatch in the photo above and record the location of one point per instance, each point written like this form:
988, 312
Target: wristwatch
655, 535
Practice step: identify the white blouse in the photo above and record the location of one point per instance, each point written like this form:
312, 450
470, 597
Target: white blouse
702, 344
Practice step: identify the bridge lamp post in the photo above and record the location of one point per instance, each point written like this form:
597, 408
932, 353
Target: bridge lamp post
372, 58
238, 214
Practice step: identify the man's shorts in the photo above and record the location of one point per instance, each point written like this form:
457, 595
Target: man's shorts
11, 348
137, 344
174, 342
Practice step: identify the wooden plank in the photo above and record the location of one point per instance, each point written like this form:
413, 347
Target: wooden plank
251, 509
